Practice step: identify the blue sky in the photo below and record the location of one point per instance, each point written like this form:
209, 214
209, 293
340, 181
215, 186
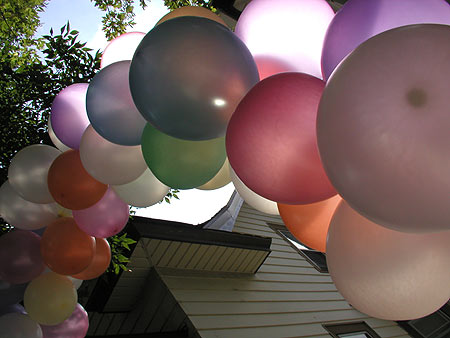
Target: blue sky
195, 206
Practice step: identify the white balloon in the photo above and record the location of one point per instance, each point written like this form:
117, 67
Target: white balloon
385, 273
121, 48
76, 282
17, 325
24, 214
108, 162
28, 172
221, 179
143, 192
58, 144
253, 199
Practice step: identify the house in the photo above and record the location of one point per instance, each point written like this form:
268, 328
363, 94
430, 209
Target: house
253, 281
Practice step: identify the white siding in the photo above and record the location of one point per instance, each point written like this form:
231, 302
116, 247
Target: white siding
287, 297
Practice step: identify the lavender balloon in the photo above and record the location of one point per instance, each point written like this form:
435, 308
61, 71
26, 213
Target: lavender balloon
68, 116
14, 308
110, 107
105, 218
75, 326
358, 20
20, 256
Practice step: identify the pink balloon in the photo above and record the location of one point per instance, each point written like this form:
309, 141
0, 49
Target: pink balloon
20, 257
76, 326
385, 273
290, 32
271, 140
383, 128
121, 48
68, 116
105, 218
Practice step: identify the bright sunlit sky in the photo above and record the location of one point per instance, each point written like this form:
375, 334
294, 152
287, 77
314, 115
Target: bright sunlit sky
195, 206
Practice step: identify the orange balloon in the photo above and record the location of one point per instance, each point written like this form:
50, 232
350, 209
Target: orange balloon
309, 222
192, 11
65, 248
71, 185
100, 262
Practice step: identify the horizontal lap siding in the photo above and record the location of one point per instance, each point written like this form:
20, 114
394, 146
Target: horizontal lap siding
287, 297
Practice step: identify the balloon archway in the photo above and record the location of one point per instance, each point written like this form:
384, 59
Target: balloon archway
375, 131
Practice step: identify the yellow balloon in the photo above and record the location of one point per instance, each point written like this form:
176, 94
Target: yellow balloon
50, 299
221, 179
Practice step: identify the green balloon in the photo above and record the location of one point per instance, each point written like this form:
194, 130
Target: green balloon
182, 164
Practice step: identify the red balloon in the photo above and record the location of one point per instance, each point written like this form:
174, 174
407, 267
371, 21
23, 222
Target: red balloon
271, 140
71, 185
100, 262
65, 248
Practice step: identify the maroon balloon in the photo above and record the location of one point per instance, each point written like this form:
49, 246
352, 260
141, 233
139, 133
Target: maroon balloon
271, 140
20, 257
75, 326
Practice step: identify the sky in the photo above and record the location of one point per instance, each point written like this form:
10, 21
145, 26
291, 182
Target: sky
194, 206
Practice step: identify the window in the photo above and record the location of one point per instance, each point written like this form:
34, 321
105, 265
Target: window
351, 330
316, 258
436, 325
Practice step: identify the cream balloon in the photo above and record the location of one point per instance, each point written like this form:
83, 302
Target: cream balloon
28, 172
385, 273
121, 48
146, 190
24, 214
50, 299
58, 144
110, 163
192, 11
254, 200
221, 179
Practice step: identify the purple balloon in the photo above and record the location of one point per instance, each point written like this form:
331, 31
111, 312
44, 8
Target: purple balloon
20, 256
11, 294
75, 326
68, 116
105, 218
359, 20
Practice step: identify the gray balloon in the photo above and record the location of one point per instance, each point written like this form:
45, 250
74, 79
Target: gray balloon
188, 75
110, 107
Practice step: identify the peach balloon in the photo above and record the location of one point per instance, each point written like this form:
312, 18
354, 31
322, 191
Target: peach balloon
192, 11
71, 185
100, 262
309, 222
385, 273
65, 248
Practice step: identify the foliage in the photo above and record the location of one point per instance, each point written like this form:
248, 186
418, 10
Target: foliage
119, 243
119, 14
27, 91
171, 194
19, 20
174, 4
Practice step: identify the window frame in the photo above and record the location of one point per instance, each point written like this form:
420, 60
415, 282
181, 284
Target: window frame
408, 326
354, 327
280, 230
